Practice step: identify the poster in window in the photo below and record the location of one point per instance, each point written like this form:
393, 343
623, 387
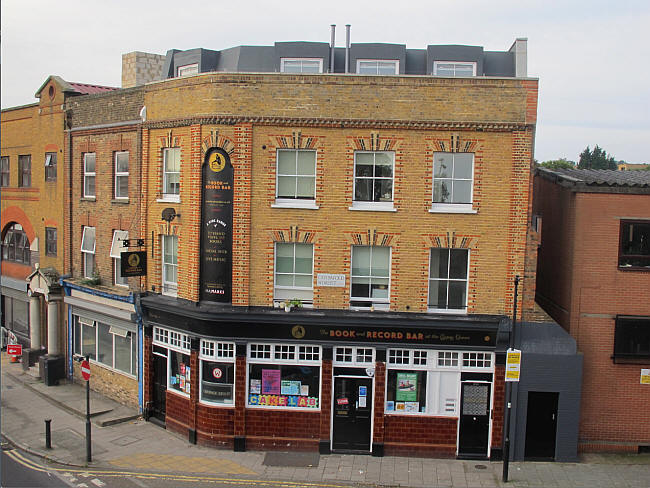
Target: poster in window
412, 407
390, 406
407, 387
290, 387
304, 390
271, 382
187, 373
256, 386
399, 406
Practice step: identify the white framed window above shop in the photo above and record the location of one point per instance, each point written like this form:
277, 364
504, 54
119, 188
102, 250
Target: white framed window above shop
176, 348
453, 182
301, 65
294, 272
188, 70
295, 178
377, 66
448, 272
217, 372
171, 184
370, 278
170, 265
122, 175
477, 360
117, 248
89, 172
112, 346
454, 68
88, 251
354, 356
373, 180
285, 376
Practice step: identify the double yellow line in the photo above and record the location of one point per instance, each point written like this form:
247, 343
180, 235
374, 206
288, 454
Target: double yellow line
30, 464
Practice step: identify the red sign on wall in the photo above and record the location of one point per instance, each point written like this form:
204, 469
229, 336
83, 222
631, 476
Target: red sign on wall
85, 370
14, 349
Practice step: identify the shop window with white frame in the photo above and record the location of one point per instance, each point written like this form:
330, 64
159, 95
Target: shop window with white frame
89, 175
454, 68
294, 272
377, 66
284, 376
171, 174
117, 248
453, 182
370, 279
122, 175
110, 345
301, 65
88, 251
177, 351
448, 271
217, 363
188, 70
170, 265
373, 180
296, 178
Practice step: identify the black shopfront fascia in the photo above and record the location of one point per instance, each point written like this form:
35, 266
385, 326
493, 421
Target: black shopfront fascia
482, 332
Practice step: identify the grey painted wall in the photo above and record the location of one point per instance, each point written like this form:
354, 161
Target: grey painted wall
455, 53
302, 50
377, 51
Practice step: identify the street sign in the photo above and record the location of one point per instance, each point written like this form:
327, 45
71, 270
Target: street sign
14, 349
85, 370
513, 364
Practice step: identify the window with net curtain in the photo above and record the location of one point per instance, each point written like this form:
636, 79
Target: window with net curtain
296, 174
370, 277
448, 279
294, 272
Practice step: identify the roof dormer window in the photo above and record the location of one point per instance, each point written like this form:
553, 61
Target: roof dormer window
454, 68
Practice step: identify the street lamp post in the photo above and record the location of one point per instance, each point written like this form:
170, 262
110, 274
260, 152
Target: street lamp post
508, 411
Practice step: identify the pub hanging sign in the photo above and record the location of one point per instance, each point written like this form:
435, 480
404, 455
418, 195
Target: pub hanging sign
133, 263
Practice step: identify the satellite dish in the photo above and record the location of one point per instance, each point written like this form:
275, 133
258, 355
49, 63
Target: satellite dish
143, 113
168, 214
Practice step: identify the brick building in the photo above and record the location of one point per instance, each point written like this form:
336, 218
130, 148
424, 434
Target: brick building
593, 280
392, 210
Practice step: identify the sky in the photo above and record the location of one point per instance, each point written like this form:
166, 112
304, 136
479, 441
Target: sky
592, 57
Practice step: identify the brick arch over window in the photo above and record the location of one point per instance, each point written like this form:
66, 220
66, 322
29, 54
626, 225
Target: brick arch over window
375, 142
215, 139
17, 215
372, 237
294, 234
296, 140
451, 240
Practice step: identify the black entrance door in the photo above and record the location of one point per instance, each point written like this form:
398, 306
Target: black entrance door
474, 425
159, 386
352, 414
541, 425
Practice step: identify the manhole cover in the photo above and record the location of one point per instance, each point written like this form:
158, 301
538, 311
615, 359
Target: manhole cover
125, 440
292, 459
480, 466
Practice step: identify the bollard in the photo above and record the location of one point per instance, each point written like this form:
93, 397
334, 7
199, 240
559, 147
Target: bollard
48, 434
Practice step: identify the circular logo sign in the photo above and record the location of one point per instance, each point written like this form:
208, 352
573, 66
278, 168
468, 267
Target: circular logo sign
133, 260
298, 331
85, 370
217, 373
216, 161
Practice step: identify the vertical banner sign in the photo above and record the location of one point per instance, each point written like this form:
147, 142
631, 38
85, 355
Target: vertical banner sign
216, 227
513, 364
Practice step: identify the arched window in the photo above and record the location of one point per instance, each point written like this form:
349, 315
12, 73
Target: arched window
15, 245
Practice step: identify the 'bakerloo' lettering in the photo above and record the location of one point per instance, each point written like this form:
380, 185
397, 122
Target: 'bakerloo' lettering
283, 401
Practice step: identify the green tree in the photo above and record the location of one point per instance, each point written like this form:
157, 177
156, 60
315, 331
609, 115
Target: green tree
596, 159
561, 163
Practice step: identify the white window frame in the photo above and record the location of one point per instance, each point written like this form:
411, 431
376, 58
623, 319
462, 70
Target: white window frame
283, 61
121, 174
354, 356
462, 311
217, 352
294, 202
385, 206
376, 62
113, 331
456, 64
440, 207
88, 175
117, 248
174, 196
187, 70
173, 341
87, 252
279, 290
271, 352
373, 303
169, 288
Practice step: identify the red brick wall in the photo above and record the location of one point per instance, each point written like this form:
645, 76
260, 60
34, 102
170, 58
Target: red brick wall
419, 436
282, 429
497, 406
215, 426
178, 413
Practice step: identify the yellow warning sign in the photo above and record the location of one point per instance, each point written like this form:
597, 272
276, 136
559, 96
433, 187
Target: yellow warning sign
513, 364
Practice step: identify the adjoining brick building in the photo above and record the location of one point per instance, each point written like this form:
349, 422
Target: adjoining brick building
593, 279
393, 210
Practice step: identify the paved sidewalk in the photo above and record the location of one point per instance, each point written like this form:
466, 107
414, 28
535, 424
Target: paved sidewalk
121, 441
